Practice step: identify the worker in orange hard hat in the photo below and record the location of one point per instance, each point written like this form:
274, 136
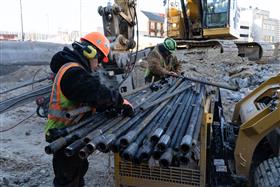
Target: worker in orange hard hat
73, 87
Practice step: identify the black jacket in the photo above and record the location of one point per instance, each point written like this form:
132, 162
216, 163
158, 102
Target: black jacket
77, 84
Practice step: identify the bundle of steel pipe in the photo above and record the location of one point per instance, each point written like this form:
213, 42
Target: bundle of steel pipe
165, 127
19, 100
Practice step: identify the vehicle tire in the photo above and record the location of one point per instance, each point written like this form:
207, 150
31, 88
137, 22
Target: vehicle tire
267, 174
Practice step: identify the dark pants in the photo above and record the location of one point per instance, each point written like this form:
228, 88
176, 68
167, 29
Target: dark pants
69, 171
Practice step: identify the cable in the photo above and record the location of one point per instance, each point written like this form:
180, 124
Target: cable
22, 99
24, 85
4, 130
34, 76
129, 69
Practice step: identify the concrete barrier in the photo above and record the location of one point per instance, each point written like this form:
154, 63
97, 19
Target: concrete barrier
27, 52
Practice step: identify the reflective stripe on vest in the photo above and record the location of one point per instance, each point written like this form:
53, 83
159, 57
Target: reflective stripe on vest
59, 104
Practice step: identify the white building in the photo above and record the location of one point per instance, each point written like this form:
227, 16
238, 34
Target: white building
246, 22
151, 28
256, 25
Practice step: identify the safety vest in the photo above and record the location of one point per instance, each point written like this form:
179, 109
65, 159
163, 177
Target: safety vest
61, 108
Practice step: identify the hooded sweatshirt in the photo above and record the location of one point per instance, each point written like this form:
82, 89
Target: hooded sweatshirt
77, 84
160, 62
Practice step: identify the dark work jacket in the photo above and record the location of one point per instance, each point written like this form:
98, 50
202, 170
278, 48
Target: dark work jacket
77, 84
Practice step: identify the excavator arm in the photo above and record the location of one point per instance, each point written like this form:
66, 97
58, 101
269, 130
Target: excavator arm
119, 23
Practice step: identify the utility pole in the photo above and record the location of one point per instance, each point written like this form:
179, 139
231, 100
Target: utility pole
21, 19
80, 18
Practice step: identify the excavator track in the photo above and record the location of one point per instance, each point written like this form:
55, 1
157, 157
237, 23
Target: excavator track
260, 52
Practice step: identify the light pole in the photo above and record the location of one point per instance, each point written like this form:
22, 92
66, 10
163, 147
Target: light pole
48, 25
80, 18
21, 19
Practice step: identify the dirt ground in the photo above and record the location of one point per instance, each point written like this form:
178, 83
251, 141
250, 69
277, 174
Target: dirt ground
23, 162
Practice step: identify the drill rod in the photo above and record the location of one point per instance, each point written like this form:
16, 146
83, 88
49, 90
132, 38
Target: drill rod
219, 85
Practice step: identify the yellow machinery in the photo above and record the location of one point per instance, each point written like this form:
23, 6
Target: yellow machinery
245, 152
193, 23
242, 152
129, 174
259, 117
209, 23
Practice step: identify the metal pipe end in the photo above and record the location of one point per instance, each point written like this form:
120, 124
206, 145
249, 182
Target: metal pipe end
186, 144
130, 152
101, 146
146, 153
163, 142
48, 150
84, 153
156, 154
156, 135
91, 147
124, 142
127, 139
185, 158
166, 158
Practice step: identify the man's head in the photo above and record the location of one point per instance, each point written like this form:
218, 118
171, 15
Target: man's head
170, 45
167, 47
95, 48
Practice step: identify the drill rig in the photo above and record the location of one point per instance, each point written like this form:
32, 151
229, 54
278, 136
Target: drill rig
242, 152
245, 151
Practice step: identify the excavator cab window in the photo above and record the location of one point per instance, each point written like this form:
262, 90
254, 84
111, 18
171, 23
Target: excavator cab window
216, 13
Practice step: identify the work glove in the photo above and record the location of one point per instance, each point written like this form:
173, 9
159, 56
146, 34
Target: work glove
116, 99
121, 105
109, 101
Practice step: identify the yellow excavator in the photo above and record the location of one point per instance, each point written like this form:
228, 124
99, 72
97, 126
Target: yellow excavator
193, 23
243, 152
214, 23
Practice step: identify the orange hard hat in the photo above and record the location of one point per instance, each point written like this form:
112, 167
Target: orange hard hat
98, 40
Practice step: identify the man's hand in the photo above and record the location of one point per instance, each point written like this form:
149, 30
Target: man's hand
172, 73
116, 99
122, 105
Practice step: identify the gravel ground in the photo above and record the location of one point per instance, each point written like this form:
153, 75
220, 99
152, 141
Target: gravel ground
23, 162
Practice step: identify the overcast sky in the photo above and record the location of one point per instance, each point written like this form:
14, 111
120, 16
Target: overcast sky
49, 16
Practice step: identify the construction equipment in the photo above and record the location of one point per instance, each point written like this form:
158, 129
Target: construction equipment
213, 23
243, 152
231, 154
189, 137
181, 124
224, 159
193, 23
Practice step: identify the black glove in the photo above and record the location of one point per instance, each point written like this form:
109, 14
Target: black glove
116, 99
103, 97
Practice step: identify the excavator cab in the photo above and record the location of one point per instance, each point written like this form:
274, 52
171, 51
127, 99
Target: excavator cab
220, 19
214, 23
203, 19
